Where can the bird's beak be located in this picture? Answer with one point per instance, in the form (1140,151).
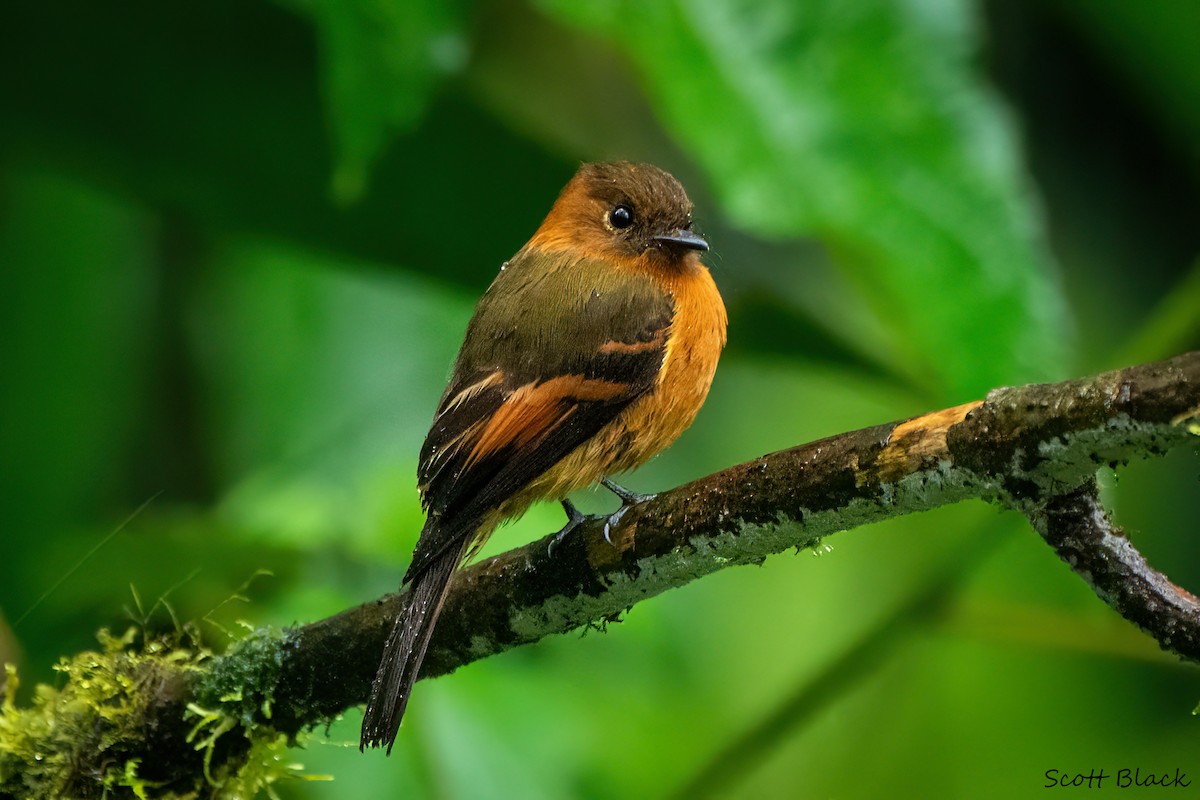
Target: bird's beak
(683,238)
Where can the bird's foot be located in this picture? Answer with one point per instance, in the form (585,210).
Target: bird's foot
(575,518)
(628,499)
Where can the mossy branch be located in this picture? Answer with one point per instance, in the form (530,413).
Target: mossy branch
(1035,449)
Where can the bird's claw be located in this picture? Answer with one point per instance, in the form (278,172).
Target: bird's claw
(628,498)
(575,518)
(612,521)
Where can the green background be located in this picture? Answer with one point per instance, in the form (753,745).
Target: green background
(240,241)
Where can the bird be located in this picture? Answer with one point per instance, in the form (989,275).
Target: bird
(591,351)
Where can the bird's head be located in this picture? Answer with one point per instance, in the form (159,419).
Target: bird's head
(624,212)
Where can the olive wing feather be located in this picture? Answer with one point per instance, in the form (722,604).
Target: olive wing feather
(557,349)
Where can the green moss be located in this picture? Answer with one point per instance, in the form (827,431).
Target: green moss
(121,726)
(243,682)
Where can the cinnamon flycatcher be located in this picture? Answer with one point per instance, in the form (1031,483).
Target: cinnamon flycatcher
(592,350)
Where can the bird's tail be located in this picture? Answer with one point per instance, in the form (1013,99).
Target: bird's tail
(405,650)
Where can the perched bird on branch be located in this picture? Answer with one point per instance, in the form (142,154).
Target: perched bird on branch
(592,350)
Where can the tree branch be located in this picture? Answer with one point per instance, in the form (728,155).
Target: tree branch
(1020,447)
(1076,525)
(1032,448)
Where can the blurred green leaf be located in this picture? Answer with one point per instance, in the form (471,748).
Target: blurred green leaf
(380,61)
(863,124)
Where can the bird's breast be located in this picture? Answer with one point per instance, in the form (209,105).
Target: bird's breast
(694,345)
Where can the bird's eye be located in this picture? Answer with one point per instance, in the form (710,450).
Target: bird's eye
(621,217)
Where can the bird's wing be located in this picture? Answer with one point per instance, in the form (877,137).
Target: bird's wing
(557,349)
